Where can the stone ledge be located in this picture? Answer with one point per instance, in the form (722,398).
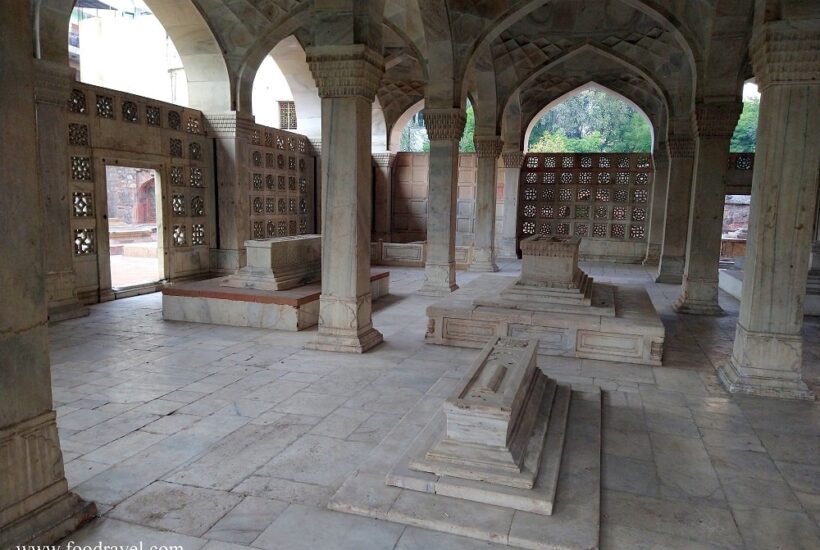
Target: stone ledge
(292,310)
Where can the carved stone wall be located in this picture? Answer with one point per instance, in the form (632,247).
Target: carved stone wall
(409,219)
(604,197)
(280,184)
(111,128)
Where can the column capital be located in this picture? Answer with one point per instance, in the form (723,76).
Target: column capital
(346,71)
(52,82)
(681,147)
(716,120)
(383,159)
(513,159)
(784,53)
(444,124)
(487,146)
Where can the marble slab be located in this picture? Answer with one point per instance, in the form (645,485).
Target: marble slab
(291,310)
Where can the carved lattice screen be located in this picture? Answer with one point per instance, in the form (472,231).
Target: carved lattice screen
(281,184)
(603,196)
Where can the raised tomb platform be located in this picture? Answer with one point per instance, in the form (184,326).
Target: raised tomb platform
(555,301)
(510,457)
(278,289)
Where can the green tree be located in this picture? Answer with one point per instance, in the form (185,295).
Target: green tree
(549,142)
(466,144)
(593,121)
(744,139)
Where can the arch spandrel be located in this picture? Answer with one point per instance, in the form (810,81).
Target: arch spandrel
(683,20)
(576,69)
(628,35)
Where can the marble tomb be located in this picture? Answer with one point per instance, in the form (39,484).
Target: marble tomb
(280,263)
(557,303)
(497,443)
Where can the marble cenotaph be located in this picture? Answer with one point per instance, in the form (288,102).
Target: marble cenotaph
(557,303)
(279,263)
(508,443)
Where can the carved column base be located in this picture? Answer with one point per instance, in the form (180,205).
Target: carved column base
(483,261)
(345,341)
(439,280)
(506,249)
(699,298)
(767,365)
(35,505)
(483,267)
(49,523)
(341,328)
(670,271)
(653,255)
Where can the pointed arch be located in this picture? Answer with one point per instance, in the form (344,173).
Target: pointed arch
(591,85)
(401,123)
(209,82)
(597,51)
(290,56)
(655,9)
(282,41)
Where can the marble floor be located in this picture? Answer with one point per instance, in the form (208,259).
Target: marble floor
(218,437)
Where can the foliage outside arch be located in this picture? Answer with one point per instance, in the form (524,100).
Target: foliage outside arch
(591,121)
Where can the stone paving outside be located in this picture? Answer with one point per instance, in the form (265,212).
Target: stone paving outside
(226,438)
(128,271)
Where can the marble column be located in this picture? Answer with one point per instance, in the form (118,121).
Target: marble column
(814,261)
(715,123)
(676,214)
(347,78)
(660,160)
(35,504)
(52,86)
(488,148)
(231,132)
(444,128)
(513,161)
(383,195)
(768,349)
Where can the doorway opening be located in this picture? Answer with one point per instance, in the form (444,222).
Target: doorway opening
(134,226)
